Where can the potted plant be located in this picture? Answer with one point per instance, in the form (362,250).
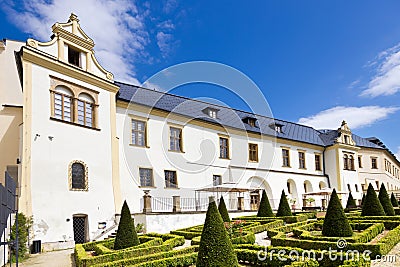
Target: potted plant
(310,201)
(293,202)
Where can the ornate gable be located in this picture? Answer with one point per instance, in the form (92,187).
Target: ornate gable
(344,135)
(71,45)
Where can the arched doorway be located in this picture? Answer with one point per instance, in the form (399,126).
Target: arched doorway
(258,183)
(322,185)
(307,186)
(291,190)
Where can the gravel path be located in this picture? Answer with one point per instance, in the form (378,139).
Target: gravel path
(59,258)
(261,239)
(392,258)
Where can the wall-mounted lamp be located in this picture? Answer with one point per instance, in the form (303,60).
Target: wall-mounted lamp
(51,137)
(37,136)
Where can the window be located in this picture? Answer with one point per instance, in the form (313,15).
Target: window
(175,139)
(211,112)
(73,104)
(146,177)
(359,162)
(138,133)
(345,162)
(302,160)
(78,173)
(285,157)
(74,56)
(253,152)
(374,163)
(377,184)
(318,162)
(346,139)
(217,180)
(356,186)
(351,163)
(170,179)
(348,187)
(305,187)
(63,104)
(223,148)
(85,110)
(250,121)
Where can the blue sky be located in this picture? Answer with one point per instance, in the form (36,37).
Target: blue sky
(317,62)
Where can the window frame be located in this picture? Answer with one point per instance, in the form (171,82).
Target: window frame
(74,56)
(302,160)
(136,132)
(253,152)
(374,163)
(151,177)
(286,158)
(176,139)
(85,117)
(317,162)
(219,180)
(168,182)
(86,176)
(71,107)
(224,147)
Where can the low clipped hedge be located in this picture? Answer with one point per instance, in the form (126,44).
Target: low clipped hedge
(150,258)
(285,228)
(287,219)
(247,238)
(157,243)
(183,260)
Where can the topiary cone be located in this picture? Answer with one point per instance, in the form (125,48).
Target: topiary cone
(385,201)
(394,201)
(372,206)
(126,233)
(215,245)
(264,210)
(223,211)
(351,203)
(283,209)
(336,223)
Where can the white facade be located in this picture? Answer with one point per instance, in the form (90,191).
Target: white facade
(48,139)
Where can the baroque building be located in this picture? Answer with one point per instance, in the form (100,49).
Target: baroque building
(79,143)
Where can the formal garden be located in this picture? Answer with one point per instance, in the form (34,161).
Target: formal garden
(350,236)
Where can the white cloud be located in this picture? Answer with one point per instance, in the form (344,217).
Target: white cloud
(164,42)
(387,79)
(166,25)
(118,28)
(356,117)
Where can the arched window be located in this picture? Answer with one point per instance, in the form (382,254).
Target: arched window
(63,105)
(351,163)
(85,109)
(345,162)
(78,176)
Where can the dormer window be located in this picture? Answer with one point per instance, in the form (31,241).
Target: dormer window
(211,112)
(250,121)
(74,56)
(277,127)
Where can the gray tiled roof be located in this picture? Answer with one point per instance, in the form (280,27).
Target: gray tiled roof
(229,117)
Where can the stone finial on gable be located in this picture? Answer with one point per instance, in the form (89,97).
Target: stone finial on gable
(73,17)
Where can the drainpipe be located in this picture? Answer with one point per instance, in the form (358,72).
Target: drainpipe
(323,166)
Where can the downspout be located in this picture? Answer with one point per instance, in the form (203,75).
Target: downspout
(323,166)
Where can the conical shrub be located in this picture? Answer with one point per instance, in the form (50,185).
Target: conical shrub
(394,201)
(126,233)
(351,203)
(223,211)
(215,246)
(335,221)
(264,210)
(372,206)
(385,201)
(283,209)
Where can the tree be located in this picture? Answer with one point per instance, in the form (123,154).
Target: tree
(394,201)
(351,203)
(264,210)
(215,246)
(24,224)
(385,201)
(283,209)
(372,206)
(223,211)
(336,223)
(126,233)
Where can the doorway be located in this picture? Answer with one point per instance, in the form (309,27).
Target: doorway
(80,228)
